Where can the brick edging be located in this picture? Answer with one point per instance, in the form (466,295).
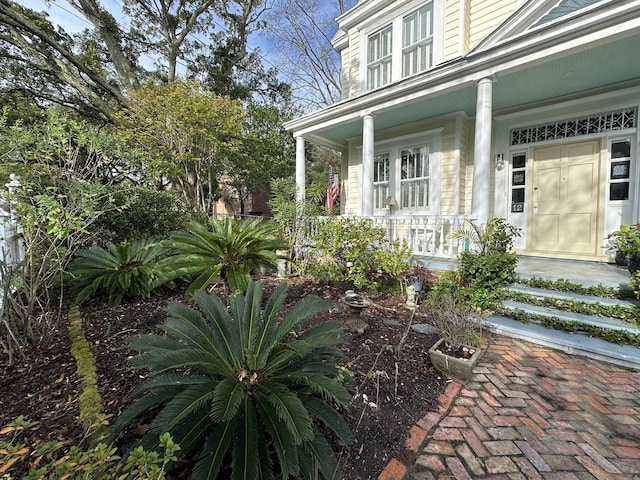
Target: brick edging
(395,469)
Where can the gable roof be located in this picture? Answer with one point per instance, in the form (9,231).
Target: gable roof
(565,7)
(537,14)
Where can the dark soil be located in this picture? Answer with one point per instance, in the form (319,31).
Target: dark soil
(390,363)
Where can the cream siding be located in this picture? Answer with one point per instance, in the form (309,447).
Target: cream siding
(448,168)
(456,28)
(345,77)
(486,15)
(354,63)
(451,29)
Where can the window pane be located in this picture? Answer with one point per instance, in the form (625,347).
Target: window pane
(621,149)
(416,41)
(619,191)
(620,169)
(517,195)
(519,161)
(518,178)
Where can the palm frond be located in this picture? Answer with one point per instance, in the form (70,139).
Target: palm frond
(329,417)
(227,398)
(290,410)
(214,451)
(283,442)
(301,311)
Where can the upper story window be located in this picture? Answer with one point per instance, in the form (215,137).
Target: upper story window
(379,58)
(417,41)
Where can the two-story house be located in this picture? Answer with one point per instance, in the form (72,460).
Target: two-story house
(453,109)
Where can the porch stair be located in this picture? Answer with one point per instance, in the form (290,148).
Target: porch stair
(573,343)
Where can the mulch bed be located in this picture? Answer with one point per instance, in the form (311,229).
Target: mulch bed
(389,360)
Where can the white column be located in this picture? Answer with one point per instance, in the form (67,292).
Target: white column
(366,201)
(300,170)
(482,152)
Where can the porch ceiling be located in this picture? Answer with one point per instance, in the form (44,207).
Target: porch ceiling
(594,70)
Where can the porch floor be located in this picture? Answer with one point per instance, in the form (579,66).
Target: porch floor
(576,271)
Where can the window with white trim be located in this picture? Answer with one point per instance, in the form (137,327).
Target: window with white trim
(379,58)
(620,171)
(417,41)
(518,181)
(414,177)
(380,180)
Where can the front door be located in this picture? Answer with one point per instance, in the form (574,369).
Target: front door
(563,212)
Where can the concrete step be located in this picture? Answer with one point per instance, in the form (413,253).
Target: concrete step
(558,295)
(576,344)
(602,322)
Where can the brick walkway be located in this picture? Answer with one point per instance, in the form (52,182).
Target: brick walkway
(529,412)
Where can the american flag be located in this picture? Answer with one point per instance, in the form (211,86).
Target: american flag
(332,190)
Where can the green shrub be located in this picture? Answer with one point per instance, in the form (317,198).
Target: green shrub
(627,239)
(119,270)
(487,270)
(635,283)
(229,250)
(50,460)
(143,213)
(237,385)
(497,235)
(355,251)
(490,265)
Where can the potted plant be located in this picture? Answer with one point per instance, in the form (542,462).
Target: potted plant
(460,325)
(627,242)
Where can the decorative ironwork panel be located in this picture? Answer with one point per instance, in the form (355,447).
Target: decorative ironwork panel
(605,122)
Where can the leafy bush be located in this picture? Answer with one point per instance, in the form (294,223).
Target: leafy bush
(143,213)
(353,250)
(119,270)
(491,265)
(496,236)
(230,250)
(99,462)
(243,387)
(627,239)
(635,283)
(489,270)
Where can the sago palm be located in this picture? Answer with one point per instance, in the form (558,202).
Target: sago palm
(119,270)
(229,250)
(249,393)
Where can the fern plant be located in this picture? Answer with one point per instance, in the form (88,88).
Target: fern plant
(119,270)
(229,250)
(242,389)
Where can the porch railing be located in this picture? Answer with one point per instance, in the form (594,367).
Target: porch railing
(426,235)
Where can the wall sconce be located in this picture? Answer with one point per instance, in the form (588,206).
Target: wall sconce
(499,161)
(390,201)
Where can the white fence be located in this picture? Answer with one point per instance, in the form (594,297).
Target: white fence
(11,244)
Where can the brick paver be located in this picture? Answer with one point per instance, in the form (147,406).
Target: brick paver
(529,412)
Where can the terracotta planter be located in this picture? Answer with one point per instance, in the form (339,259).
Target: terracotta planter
(457,368)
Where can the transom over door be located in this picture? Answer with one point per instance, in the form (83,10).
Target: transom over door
(563,212)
